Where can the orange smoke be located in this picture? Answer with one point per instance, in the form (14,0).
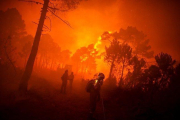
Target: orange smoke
(93,17)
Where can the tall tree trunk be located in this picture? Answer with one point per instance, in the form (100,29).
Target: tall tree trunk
(111,69)
(121,79)
(29,66)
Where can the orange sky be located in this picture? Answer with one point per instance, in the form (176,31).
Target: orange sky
(159,19)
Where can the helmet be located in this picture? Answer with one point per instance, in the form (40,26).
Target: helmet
(101,76)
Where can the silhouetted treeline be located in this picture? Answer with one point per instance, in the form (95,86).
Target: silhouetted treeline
(150,93)
(16,46)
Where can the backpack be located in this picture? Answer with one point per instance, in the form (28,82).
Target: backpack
(89,86)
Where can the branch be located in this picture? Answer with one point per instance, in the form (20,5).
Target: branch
(67,23)
(50,21)
(32,1)
(53,8)
(44,26)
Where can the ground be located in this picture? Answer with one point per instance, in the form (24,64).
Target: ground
(45,102)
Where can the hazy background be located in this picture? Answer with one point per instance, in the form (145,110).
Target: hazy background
(158,19)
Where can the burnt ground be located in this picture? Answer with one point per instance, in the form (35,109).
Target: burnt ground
(45,102)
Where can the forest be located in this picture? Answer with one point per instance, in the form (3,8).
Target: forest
(140,82)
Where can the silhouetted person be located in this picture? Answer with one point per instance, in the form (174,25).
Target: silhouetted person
(94,90)
(64,79)
(71,78)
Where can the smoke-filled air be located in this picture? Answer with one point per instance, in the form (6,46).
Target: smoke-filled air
(89,59)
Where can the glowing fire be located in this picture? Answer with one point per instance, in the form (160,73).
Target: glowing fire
(109,32)
(95,82)
(84,59)
(97,43)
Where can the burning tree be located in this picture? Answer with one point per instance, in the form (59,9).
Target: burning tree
(133,37)
(137,40)
(112,54)
(119,56)
(84,59)
(125,57)
(133,42)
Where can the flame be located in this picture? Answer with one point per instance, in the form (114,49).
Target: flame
(83,59)
(97,43)
(109,32)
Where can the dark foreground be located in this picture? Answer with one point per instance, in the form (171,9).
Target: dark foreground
(45,102)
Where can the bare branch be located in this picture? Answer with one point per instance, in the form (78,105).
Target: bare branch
(32,1)
(66,22)
(52,10)
(50,21)
(44,26)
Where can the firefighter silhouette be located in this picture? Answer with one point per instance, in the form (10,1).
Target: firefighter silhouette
(94,90)
(64,79)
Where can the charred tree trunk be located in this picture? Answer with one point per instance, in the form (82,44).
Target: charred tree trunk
(29,66)
(111,69)
(121,79)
